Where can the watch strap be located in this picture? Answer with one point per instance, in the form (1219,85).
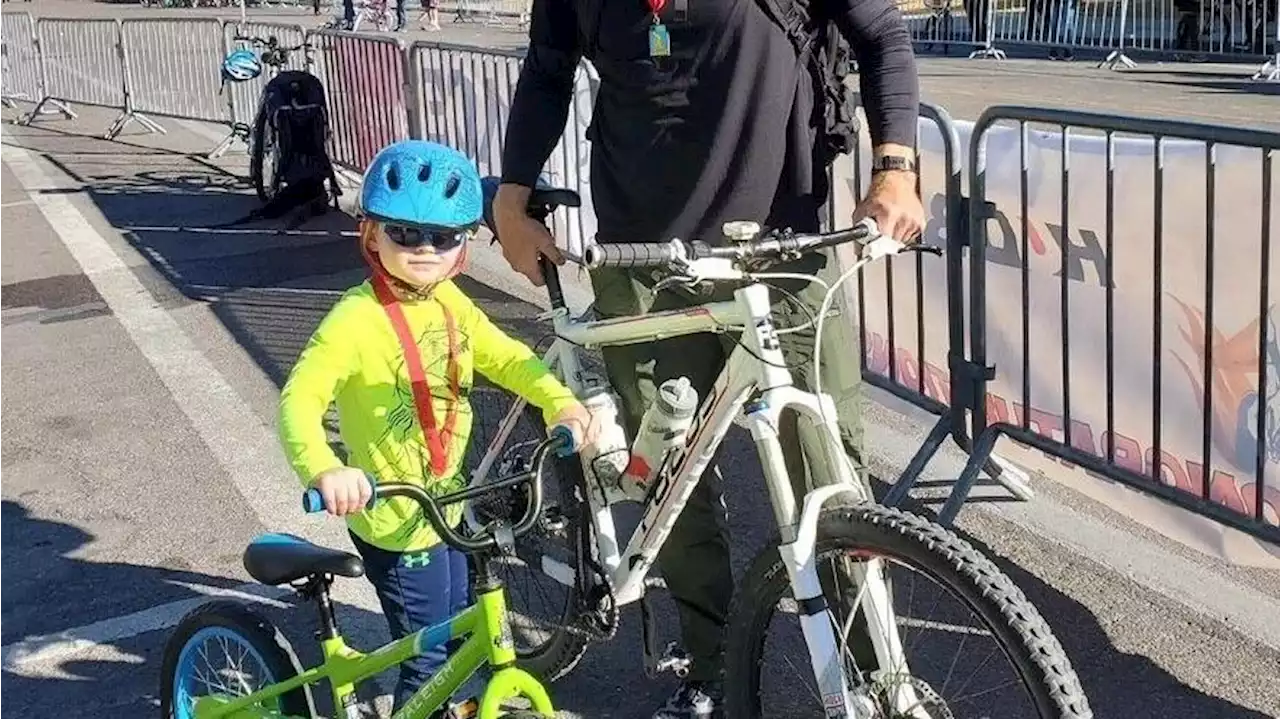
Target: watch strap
(886,163)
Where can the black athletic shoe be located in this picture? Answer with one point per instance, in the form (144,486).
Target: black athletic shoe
(693,700)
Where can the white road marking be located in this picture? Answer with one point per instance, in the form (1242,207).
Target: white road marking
(246,449)
(52,648)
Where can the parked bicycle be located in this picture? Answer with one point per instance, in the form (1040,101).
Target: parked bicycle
(378,13)
(287,141)
(853,649)
(262,677)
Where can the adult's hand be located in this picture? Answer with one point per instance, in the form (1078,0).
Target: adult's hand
(523,238)
(892,201)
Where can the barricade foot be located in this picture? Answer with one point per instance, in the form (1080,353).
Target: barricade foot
(40,109)
(915,468)
(987,53)
(978,458)
(129,116)
(1117,58)
(1269,72)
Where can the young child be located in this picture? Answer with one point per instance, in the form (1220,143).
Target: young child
(398,354)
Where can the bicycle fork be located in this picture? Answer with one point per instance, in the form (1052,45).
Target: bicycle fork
(799,530)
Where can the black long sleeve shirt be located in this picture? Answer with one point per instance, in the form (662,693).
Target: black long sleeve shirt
(722,129)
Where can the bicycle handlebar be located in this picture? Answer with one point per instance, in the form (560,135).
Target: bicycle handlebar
(560,441)
(776,245)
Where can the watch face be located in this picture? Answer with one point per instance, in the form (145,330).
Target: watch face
(894,162)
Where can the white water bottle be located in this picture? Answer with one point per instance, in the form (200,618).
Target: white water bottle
(606,458)
(662,428)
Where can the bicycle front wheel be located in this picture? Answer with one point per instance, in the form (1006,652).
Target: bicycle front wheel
(954,611)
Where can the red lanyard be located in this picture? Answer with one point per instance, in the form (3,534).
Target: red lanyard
(656,6)
(418,377)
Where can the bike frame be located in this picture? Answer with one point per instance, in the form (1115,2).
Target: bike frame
(488,640)
(759,367)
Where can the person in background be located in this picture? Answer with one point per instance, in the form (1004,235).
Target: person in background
(704,114)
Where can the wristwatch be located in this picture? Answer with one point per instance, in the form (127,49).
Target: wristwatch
(885,163)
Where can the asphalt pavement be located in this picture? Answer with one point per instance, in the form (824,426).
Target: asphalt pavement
(143,354)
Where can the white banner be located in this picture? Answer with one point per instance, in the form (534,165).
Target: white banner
(1233,349)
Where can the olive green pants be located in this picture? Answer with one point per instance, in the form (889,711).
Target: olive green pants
(695,559)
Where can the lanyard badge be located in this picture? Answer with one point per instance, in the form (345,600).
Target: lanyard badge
(659,38)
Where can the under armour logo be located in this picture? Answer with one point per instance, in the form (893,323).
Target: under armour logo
(414,561)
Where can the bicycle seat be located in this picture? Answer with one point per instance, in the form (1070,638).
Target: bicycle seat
(543,196)
(282,558)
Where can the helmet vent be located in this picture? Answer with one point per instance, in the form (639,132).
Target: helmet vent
(393,178)
(451,187)
(424,173)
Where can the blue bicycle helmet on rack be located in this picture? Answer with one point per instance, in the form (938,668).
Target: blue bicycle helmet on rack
(416,183)
(240,65)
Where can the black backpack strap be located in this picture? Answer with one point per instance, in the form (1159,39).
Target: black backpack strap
(793,17)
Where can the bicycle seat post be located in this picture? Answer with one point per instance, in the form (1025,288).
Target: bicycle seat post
(317,588)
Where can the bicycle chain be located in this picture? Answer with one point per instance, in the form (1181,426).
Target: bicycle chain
(596,623)
(930,700)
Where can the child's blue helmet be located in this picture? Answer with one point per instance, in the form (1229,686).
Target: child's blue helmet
(416,183)
(240,65)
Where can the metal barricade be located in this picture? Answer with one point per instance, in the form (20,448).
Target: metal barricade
(242,97)
(82,62)
(1097,24)
(21,58)
(171,68)
(1152,356)
(365,80)
(489,12)
(909,313)
(942,23)
(465,98)
(1224,28)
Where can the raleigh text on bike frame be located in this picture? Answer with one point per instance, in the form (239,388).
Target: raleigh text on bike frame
(754,388)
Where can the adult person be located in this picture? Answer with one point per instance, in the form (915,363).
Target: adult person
(704,115)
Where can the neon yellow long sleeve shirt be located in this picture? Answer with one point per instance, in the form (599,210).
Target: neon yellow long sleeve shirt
(355,360)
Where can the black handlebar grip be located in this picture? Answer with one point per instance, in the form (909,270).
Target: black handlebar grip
(551,276)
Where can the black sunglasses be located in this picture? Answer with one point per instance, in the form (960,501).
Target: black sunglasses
(439,240)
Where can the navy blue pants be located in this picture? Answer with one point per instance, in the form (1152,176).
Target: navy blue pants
(417,590)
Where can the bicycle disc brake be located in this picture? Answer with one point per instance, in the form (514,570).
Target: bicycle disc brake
(928,705)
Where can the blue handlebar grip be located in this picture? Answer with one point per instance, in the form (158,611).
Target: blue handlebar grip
(565,435)
(313,501)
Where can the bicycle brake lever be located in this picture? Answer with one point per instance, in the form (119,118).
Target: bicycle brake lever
(674,281)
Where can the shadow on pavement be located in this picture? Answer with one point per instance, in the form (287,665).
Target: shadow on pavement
(39,558)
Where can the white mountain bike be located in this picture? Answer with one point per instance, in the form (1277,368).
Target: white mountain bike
(578,551)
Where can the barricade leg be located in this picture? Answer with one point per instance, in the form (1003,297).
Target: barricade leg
(979,457)
(129,116)
(1117,58)
(1270,71)
(40,109)
(239,131)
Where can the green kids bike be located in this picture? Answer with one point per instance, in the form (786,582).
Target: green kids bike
(262,677)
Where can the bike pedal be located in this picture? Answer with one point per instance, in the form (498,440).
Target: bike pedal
(553,520)
(675,660)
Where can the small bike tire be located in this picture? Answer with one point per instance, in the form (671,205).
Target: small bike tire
(1020,631)
(266,187)
(264,638)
